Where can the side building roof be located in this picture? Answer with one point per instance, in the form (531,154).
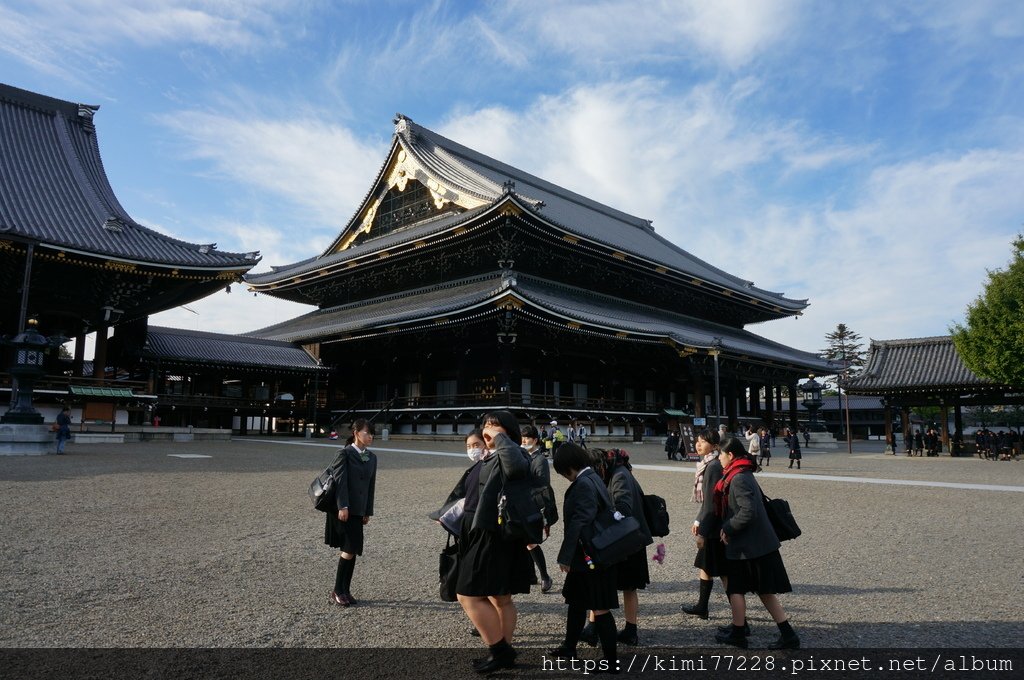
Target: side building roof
(179,345)
(56,192)
(915,364)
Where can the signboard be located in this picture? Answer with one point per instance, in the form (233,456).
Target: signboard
(700,422)
(688,442)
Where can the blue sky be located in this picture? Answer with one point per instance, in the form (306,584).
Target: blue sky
(868,156)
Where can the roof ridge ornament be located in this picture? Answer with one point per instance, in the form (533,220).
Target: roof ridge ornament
(85,114)
(508,187)
(113,224)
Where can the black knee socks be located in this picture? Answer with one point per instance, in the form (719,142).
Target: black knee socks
(574,620)
(786,629)
(538,559)
(343,580)
(705,594)
(605,625)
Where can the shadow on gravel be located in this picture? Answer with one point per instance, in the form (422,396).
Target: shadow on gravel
(824,589)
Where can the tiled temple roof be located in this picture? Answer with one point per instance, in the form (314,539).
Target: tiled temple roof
(56,192)
(199,347)
(914,364)
(592,311)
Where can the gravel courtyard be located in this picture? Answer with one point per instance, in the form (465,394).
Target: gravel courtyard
(132,546)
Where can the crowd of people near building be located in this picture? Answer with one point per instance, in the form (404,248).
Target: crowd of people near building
(502,508)
(1001,445)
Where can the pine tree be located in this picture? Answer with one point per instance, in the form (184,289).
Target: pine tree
(845,348)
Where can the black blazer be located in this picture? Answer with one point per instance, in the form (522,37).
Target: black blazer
(543,494)
(356,482)
(508,468)
(746,521)
(709,523)
(628,498)
(586,503)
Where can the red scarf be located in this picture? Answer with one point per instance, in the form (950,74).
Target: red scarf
(737,466)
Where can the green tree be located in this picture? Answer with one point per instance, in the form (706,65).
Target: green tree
(845,348)
(991,342)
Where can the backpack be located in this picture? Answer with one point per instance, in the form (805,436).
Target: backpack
(656,514)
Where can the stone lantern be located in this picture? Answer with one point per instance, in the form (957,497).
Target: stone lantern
(812,402)
(30,349)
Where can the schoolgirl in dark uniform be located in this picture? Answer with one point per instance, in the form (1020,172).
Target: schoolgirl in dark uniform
(491,567)
(633,573)
(753,563)
(354,491)
(710,558)
(586,500)
(544,497)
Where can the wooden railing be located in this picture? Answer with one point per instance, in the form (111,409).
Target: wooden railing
(518,400)
(63,382)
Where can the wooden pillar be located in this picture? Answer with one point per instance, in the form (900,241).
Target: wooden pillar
(792,407)
(888,424)
(958,416)
(99,360)
(698,393)
(730,404)
(769,403)
(76,366)
(905,416)
(778,398)
(755,399)
(945,426)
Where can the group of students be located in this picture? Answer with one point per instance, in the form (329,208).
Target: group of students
(734,538)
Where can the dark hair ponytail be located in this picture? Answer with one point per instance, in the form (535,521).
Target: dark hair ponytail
(358,425)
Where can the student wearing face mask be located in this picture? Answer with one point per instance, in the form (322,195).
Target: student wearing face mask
(543,496)
(450,514)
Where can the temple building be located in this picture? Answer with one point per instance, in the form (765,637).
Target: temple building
(462,284)
(72,258)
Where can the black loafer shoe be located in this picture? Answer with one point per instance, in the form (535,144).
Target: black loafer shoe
(731,638)
(545,584)
(562,652)
(694,610)
(784,642)
(625,638)
(726,629)
(338,599)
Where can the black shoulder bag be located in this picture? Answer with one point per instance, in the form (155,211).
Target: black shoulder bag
(781,517)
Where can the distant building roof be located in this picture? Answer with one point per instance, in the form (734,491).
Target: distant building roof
(56,192)
(477,295)
(915,365)
(199,347)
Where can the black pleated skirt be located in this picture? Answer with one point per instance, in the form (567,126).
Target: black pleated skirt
(490,565)
(711,558)
(763,575)
(347,536)
(633,572)
(592,588)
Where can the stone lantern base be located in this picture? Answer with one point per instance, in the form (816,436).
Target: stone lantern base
(26,440)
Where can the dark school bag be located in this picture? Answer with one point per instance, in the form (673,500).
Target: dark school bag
(323,486)
(656,513)
(448,570)
(781,517)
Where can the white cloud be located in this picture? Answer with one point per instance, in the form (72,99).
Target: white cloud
(237,312)
(319,167)
(80,36)
(732,32)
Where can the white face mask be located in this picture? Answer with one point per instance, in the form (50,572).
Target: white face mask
(475,453)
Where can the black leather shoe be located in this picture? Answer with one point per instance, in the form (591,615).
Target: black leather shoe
(589,634)
(495,663)
(784,642)
(474,632)
(545,584)
(726,629)
(625,638)
(695,610)
(732,638)
(338,599)
(562,652)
